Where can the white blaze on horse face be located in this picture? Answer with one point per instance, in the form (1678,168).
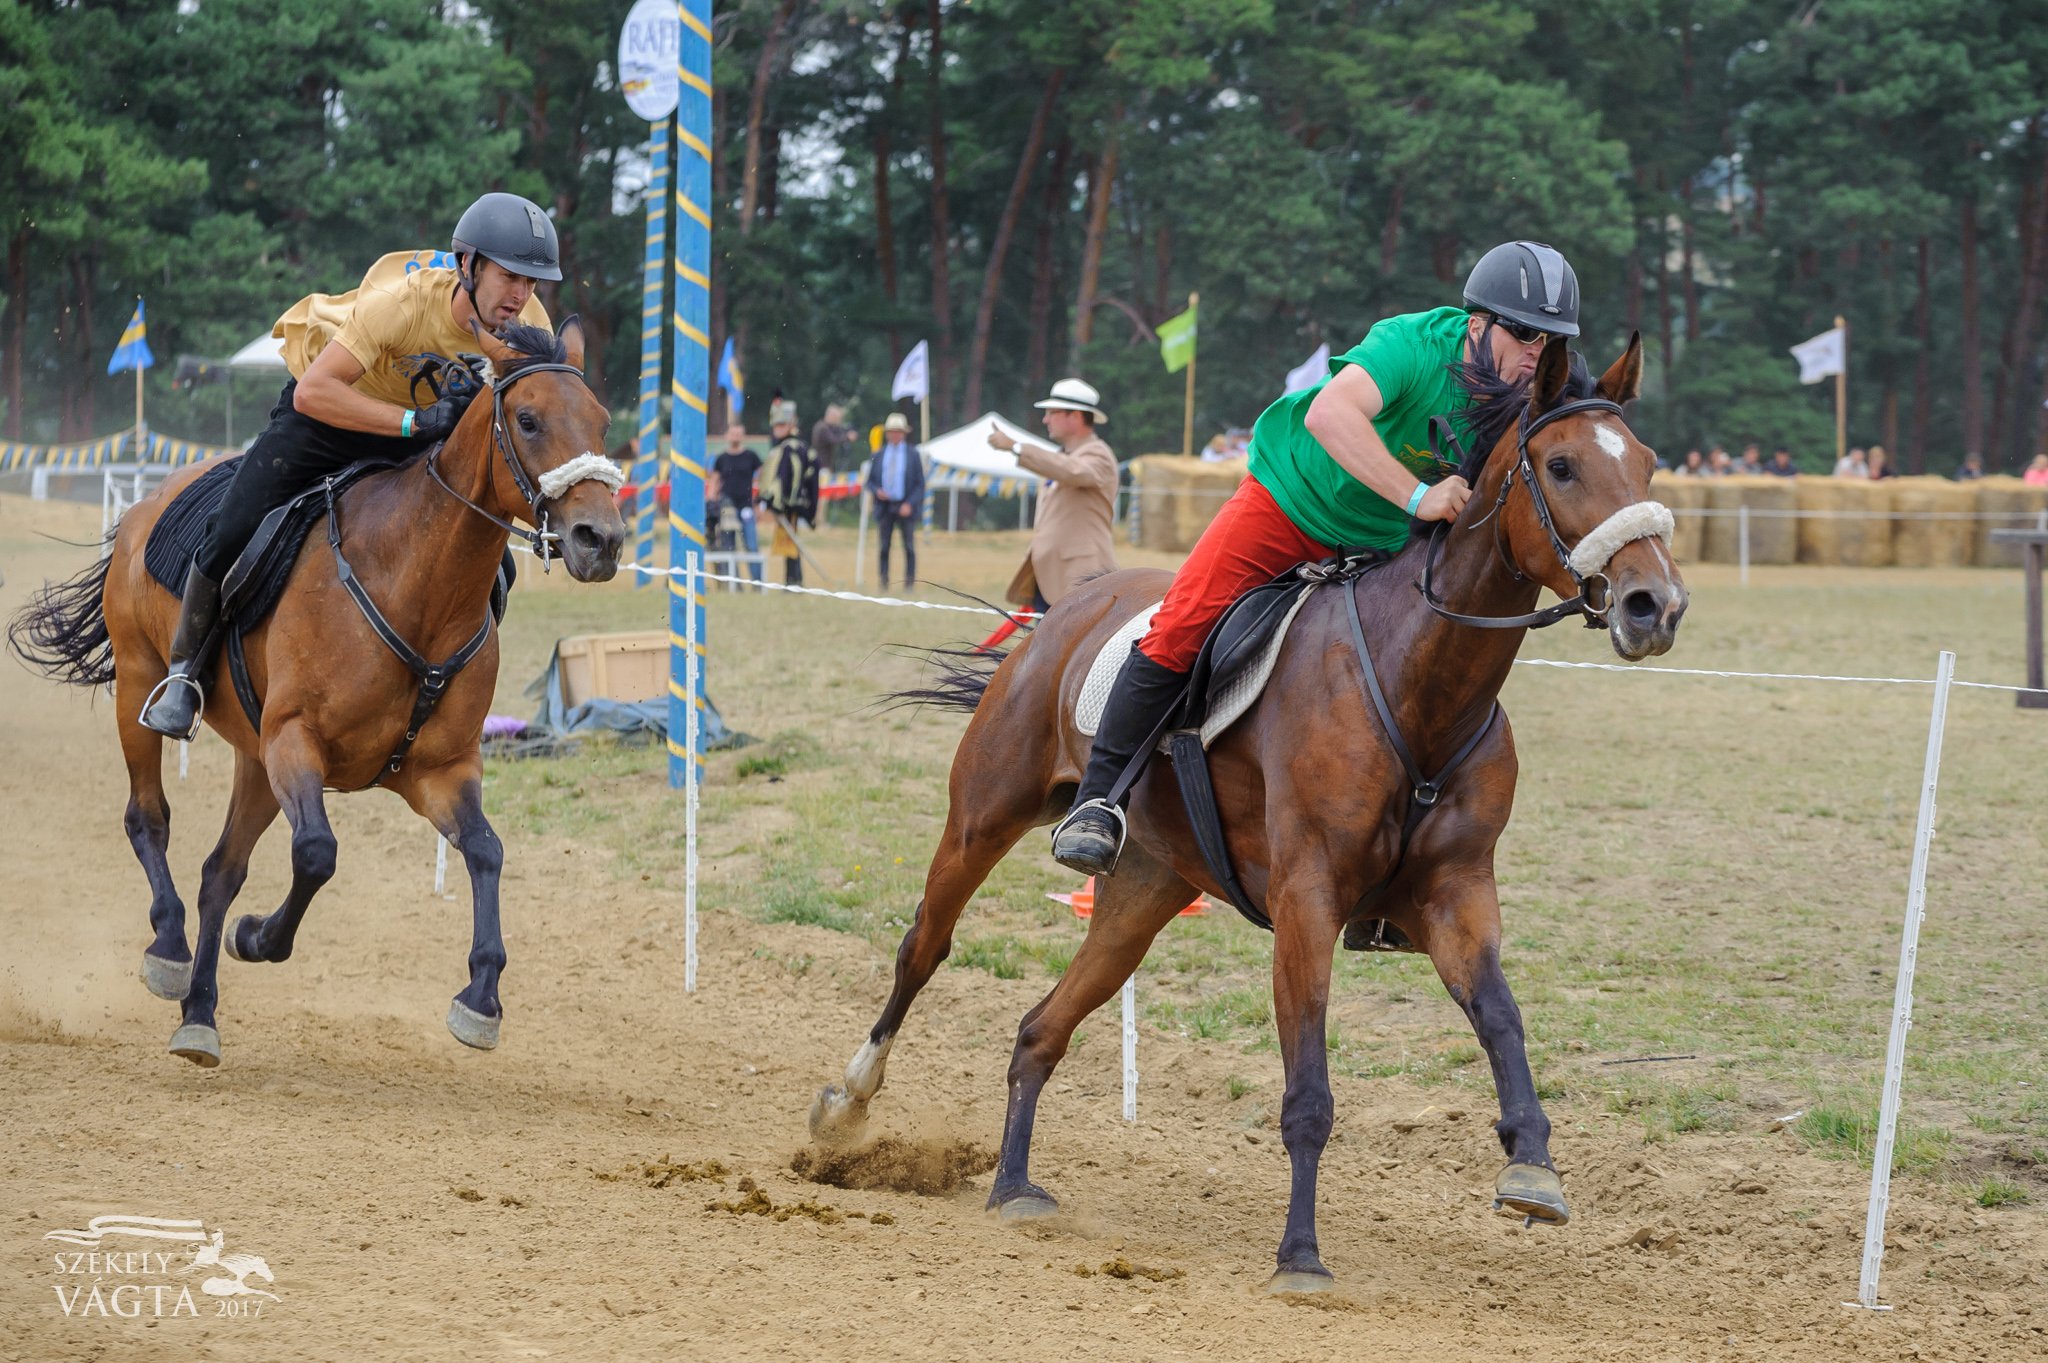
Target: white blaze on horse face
(1611,440)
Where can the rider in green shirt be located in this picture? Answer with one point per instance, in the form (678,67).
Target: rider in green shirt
(1345,465)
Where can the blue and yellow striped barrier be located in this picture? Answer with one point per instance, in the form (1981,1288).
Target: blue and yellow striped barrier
(90,454)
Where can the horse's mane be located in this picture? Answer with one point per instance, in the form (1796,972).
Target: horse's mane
(535,345)
(1494,403)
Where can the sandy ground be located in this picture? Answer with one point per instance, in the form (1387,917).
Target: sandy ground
(589,1190)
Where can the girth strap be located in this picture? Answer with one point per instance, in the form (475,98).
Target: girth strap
(434,677)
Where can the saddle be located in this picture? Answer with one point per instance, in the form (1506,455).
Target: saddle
(1235,662)
(256,581)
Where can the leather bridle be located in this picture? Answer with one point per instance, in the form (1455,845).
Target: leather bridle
(1581,604)
(541,539)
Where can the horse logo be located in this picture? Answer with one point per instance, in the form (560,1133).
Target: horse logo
(235,1268)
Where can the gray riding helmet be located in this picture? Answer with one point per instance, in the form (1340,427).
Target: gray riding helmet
(1526,282)
(512,231)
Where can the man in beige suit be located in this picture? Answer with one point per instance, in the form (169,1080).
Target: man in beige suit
(1077,505)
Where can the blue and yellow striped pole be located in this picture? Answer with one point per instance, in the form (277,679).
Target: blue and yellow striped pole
(690,383)
(660,136)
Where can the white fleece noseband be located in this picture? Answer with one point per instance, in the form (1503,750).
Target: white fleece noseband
(1636,521)
(586,465)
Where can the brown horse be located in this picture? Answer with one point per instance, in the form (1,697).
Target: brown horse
(337,702)
(1313,795)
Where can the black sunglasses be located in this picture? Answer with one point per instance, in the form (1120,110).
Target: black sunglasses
(1522,332)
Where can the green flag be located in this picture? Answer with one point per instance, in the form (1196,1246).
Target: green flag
(1177,340)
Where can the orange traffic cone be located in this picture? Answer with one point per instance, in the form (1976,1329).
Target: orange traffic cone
(1082,901)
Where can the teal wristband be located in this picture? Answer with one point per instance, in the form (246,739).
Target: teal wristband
(405,423)
(1415,498)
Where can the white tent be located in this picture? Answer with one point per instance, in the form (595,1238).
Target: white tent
(966,449)
(265,352)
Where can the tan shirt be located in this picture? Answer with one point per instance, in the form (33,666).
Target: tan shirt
(1073,538)
(398,323)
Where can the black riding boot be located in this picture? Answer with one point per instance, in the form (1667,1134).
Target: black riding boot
(174,706)
(1092,835)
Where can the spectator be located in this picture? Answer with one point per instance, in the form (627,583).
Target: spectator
(790,491)
(1719,465)
(832,444)
(1695,465)
(732,514)
(1972,469)
(1752,460)
(896,481)
(2037,472)
(1880,464)
(1071,539)
(1853,464)
(1218,450)
(1781,464)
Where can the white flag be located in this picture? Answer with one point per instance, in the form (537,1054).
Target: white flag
(1311,371)
(1822,356)
(913,377)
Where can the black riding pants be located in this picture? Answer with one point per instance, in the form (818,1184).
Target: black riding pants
(293,453)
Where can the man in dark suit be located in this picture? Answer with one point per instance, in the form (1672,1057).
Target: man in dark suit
(896,482)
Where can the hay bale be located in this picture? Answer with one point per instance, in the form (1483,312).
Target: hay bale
(1930,533)
(1205,488)
(1687,498)
(1178,497)
(1152,478)
(1854,528)
(1773,537)
(2006,504)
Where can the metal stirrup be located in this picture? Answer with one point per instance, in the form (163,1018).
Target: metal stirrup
(198,715)
(1123,824)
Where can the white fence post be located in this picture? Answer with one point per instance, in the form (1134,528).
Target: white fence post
(440,865)
(1742,540)
(1130,998)
(691,586)
(1902,998)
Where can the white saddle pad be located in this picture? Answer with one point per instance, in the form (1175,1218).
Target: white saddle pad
(1230,704)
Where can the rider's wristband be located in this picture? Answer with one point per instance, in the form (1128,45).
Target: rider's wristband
(405,423)
(1415,497)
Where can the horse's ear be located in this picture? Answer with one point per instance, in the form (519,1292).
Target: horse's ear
(1553,371)
(1623,381)
(570,333)
(493,349)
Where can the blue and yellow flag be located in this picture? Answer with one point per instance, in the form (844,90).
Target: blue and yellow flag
(732,381)
(133,352)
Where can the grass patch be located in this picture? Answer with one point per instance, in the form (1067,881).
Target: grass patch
(1994,1191)
(1001,957)
(1852,1133)
(1237,1086)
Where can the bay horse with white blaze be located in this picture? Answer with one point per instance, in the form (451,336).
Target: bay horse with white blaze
(1314,790)
(341,705)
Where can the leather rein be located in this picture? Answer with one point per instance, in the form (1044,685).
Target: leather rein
(1581,604)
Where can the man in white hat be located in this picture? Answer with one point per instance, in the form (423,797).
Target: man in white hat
(1077,505)
(896,482)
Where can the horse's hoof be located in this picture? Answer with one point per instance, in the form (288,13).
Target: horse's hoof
(1294,1282)
(167,979)
(198,1044)
(472,1028)
(836,1117)
(1533,1192)
(231,940)
(1036,1205)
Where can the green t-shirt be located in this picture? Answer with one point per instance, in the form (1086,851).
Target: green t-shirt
(1409,357)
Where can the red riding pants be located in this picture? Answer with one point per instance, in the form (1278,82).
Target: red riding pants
(1250,542)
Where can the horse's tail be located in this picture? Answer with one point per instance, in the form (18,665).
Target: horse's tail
(961,676)
(62,631)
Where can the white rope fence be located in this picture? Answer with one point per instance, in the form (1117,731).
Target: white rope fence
(1942,681)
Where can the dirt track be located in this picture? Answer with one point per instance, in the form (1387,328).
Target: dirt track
(417,1200)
